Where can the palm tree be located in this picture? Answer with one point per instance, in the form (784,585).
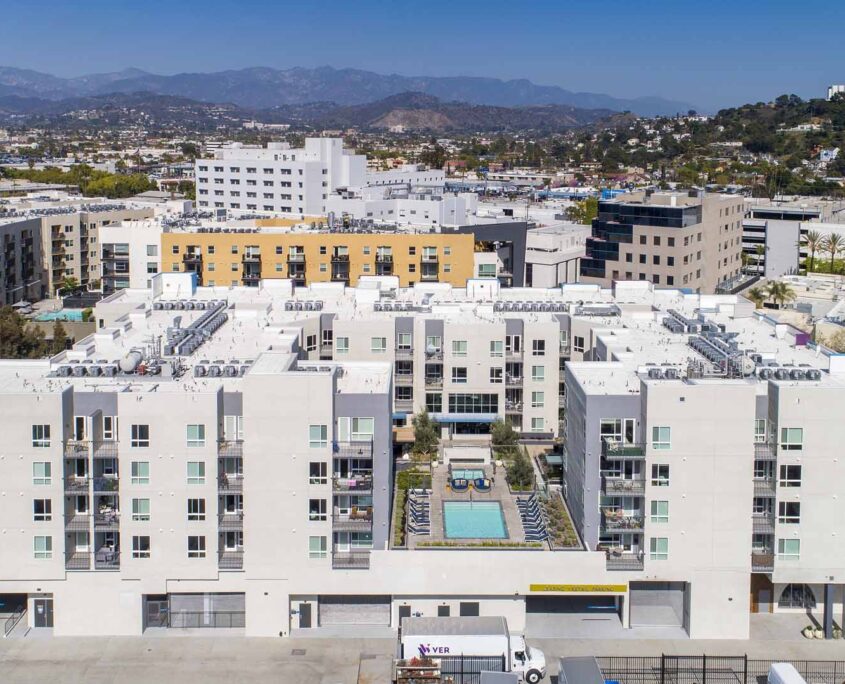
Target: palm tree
(760,250)
(756,295)
(833,244)
(813,240)
(780,293)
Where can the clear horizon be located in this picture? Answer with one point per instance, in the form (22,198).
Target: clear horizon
(730,55)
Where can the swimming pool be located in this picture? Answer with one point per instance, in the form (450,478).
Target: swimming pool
(63,315)
(467,473)
(474,520)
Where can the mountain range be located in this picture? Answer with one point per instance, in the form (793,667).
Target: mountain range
(264,87)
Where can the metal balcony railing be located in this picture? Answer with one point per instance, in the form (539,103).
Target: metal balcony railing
(351,522)
(352,560)
(77,522)
(78,560)
(107,485)
(624,561)
(298,258)
(615,450)
(106,559)
(230,559)
(354,484)
(624,486)
(230,521)
(432,382)
(76,485)
(764,486)
(105,449)
(355,449)
(764,451)
(404,379)
(616,519)
(76,448)
(762,561)
(107,521)
(763,523)
(230,448)
(230,483)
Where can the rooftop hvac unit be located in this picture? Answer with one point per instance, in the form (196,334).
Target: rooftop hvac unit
(797,374)
(309,306)
(814,374)
(95,371)
(672,374)
(168,306)
(64,371)
(655,374)
(288,306)
(376,306)
(158,306)
(214,371)
(79,371)
(326,369)
(387,306)
(179,305)
(230,371)
(189,305)
(110,370)
(297,306)
(782,374)
(243,369)
(508,306)
(498,306)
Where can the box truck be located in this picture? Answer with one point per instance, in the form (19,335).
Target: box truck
(784,673)
(466,638)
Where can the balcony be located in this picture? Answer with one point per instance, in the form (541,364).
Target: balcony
(430,259)
(763,451)
(251,277)
(615,450)
(76,448)
(107,559)
(406,405)
(434,382)
(404,379)
(434,355)
(404,354)
(108,520)
(340,276)
(192,258)
(230,448)
(354,521)
(105,449)
(429,274)
(623,486)
(230,521)
(762,561)
(230,559)
(383,258)
(355,484)
(228,484)
(624,561)
(513,353)
(350,560)
(296,258)
(355,449)
(106,485)
(77,560)
(763,523)
(76,485)
(513,407)
(617,519)
(251,258)
(340,258)
(514,380)
(77,522)
(764,486)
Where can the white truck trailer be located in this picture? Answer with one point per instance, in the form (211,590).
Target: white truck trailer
(467,638)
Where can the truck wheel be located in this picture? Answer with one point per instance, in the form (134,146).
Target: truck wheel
(533,677)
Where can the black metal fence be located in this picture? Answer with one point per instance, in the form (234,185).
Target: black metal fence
(468,669)
(668,669)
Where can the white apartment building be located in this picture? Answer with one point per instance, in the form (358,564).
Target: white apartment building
(277,178)
(416,207)
(553,254)
(130,254)
(223,457)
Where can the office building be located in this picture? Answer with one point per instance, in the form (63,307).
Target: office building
(701,472)
(687,240)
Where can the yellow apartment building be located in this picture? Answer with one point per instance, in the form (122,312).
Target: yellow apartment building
(245,256)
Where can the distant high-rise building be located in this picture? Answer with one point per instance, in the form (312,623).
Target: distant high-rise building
(835,90)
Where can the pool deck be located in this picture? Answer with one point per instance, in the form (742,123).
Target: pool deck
(498,492)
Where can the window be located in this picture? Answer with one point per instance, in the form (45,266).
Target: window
(317,473)
(342,345)
(196,547)
(789,549)
(538,347)
(790,476)
(792,439)
(459,375)
(661,438)
(317,547)
(403,342)
(537,424)
(41,436)
(789,512)
(316,509)
(497,348)
(196,509)
(42,473)
(196,435)
(141,546)
(42,510)
(538,373)
(318,436)
(577,343)
(42,547)
(140,436)
(196,472)
(378,345)
(538,399)
(140,509)
(660,475)
(432,344)
(659,511)
(140,472)
(473,403)
(459,347)
(659,548)
(109,427)
(496,376)
(469,608)
(797,596)
(760,430)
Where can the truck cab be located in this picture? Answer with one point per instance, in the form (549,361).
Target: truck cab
(529,663)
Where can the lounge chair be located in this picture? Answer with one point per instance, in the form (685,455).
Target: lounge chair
(460,485)
(482,484)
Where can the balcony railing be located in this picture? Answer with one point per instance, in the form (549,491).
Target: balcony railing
(251,258)
(356,449)
(230,521)
(616,450)
(77,522)
(230,448)
(762,561)
(430,258)
(404,353)
(616,519)
(105,449)
(403,404)
(404,379)
(513,407)
(513,353)
(356,484)
(764,451)
(384,258)
(624,486)
(340,258)
(230,559)
(624,561)
(764,486)
(435,355)
(106,484)
(298,258)
(763,523)
(76,485)
(107,559)
(432,382)
(78,560)
(230,483)
(351,560)
(351,522)
(107,521)
(76,448)
(514,380)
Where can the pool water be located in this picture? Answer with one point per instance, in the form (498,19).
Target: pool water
(467,474)
(63,315)
(474,520)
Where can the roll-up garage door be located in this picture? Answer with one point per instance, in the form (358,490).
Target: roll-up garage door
(354,610)
(657,604)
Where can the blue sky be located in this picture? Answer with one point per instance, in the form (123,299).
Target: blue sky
(710,53)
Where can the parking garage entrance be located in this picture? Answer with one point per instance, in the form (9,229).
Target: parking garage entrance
(574,615)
